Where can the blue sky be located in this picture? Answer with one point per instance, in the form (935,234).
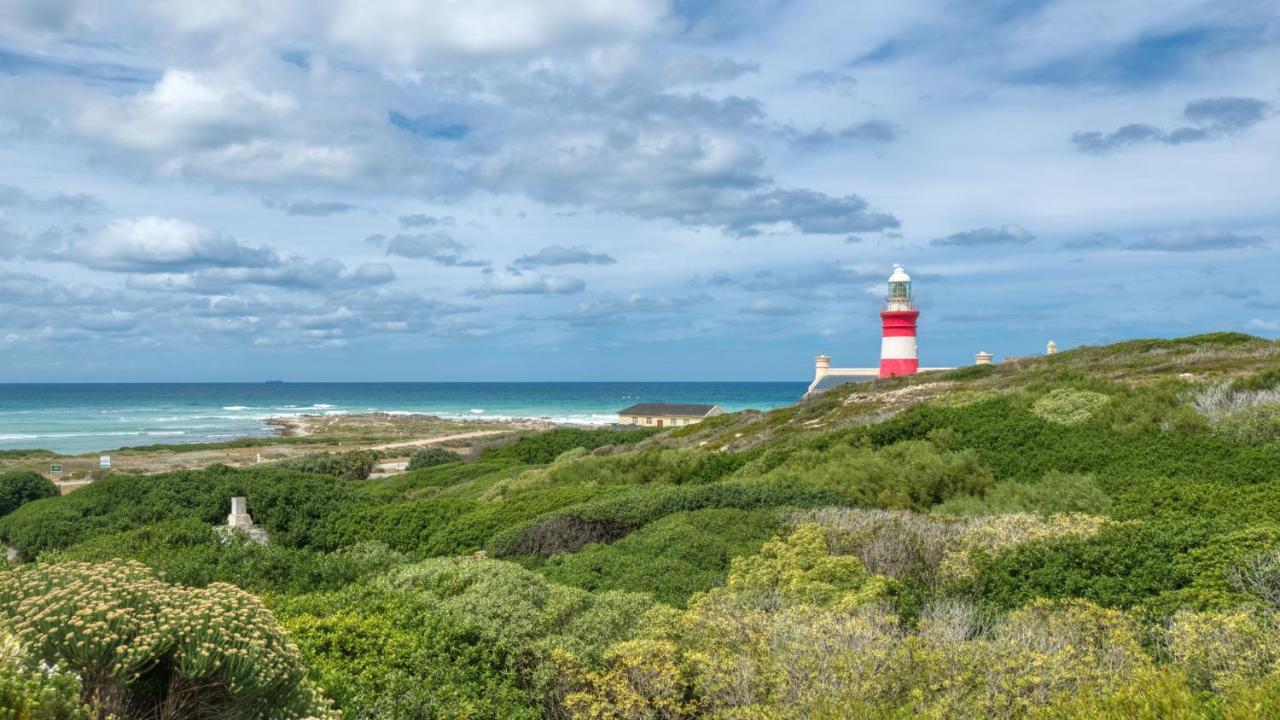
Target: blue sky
(622,189)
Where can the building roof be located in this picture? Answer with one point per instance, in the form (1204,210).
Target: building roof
(668,409)
(831,381)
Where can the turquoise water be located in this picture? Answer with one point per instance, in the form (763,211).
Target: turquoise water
(78,418)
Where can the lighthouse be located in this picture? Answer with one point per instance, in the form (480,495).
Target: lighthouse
(898,352)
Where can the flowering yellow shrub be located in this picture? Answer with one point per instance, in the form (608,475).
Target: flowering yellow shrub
(994,533)
(1219,649)
(127,633)
(31,692)
(640,681)
(799,569)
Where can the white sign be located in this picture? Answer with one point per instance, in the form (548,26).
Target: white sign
(104,462)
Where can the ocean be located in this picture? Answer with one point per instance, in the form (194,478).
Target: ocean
(80,418)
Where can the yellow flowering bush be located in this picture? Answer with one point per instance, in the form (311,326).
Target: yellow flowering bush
(640,681)
(31,692)
(994,533)
(1218,649)
(800,569)
(139,644)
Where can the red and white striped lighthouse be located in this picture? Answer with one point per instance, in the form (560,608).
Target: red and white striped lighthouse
(898,352)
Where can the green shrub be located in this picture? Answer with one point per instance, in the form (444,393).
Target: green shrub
(432,456)
(544,447)
(297,509)
(906,475)
(1268,379)
(189,552)
(395,655)
(1123,565)
(1253,425)
(352,465)
(672,558)
(635,507)
(1057,492)
(19,487)
(1067,406)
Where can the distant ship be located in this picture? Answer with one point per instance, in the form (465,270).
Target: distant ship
(275,382)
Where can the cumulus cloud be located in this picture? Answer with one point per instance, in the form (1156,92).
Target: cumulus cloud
(1197,240)
(408,34)
(518,283)
(186,109)
(984,237)
(561,255)
(695,179)
(1210,118)
(323,275)
(157,244)
(439,248)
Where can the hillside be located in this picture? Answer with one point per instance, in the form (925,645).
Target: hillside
(1089,534)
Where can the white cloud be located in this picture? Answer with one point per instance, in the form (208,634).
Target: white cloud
(186,110)
(516,283)
(407,34)
(158,244)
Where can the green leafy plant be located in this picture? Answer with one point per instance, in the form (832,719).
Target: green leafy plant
(432,456)
(22,486)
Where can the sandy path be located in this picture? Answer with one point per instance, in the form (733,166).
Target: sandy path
(442,438)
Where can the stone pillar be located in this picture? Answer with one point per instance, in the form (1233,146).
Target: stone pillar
(239,517)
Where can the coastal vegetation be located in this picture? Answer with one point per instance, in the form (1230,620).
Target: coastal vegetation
(1091,534)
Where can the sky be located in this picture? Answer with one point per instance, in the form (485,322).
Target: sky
(351,190)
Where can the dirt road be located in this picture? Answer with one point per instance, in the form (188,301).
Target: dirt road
(442,438)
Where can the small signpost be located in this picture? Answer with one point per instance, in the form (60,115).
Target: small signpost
(55,468)
(104,462)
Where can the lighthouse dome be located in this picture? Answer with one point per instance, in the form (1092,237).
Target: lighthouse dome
(899,275)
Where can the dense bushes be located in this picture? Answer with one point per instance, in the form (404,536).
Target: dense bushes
(383,654)
(672,558)
(1067,406)
(140,645)
(297,509)
(545,447)
(903,476)
(352,465)
(1057,492)
(1036,540)
(19,487)
(432,456)
(189,552)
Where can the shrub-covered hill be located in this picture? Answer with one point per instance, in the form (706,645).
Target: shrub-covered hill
(1092,534)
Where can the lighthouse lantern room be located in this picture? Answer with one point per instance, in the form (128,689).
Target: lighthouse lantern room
(899,354)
